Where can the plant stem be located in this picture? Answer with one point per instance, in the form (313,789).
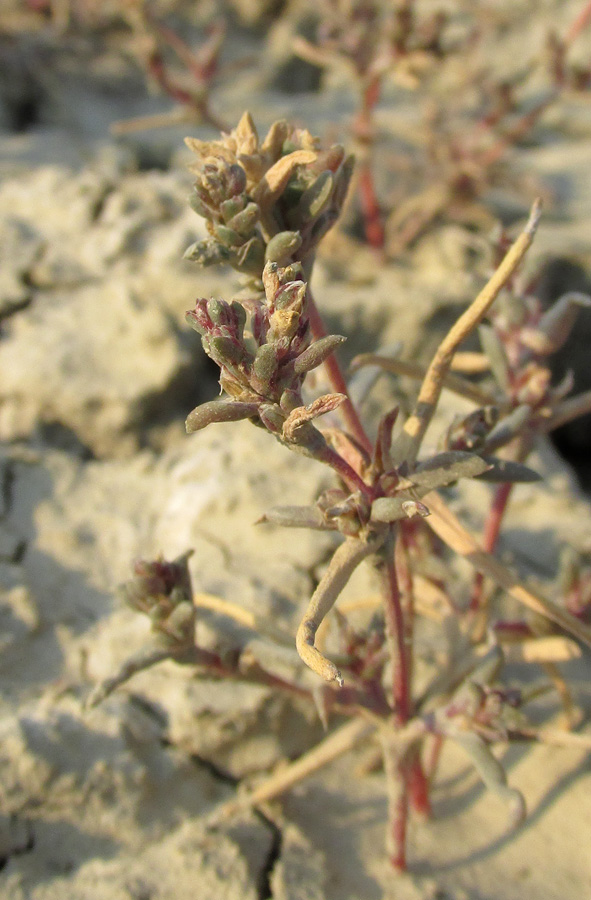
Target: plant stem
(363,131)
(370,208)
(581,22)
(337,380)
(396,631)
(448,527)
(396,763)
(409,443)
(492,529)
(337,743)
(348,474)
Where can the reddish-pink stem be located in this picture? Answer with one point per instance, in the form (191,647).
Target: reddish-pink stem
(370,208)
(351,478)
(400,772)
(418,787)
(363,130)
(338,383)
(492,529)
(581,22)
(399,822)
(395,627)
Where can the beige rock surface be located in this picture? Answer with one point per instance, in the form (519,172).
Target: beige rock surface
(96,374)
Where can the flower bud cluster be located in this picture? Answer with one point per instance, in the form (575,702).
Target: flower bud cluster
(265,201)
(162,590)
(263,350)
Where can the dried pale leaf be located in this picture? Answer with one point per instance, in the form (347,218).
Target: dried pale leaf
(275,138)
(448,527)
(303,414)
(545,649)
(311,53)
(275,179)
(246,135)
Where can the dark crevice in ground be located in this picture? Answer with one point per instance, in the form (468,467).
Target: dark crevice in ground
(215,771)
(26,843)
(264,889)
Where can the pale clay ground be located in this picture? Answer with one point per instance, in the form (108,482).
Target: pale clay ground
(96,373)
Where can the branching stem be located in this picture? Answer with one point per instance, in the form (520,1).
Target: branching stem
(416,425)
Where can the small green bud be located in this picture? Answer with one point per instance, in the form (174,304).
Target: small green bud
(290,400)
(265,363)
(240,314)
(315,199)
(230,208)
(272,417)
(206,253)
(282,246)
(243,222)
(199,206)
(317,353)
(225,350)
(250,258)
(227,236)
(217,311)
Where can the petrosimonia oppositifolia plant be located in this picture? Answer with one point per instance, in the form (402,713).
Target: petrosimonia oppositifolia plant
(267,204)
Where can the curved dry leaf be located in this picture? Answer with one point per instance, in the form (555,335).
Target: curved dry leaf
(275,180)
(245,134)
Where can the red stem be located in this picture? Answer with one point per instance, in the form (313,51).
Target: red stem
(492,529)
(363,130)
(581,21)
(395,628)
(418,787)
(337,381)
(398,823)
(348,474)
(370,208)
(398,768)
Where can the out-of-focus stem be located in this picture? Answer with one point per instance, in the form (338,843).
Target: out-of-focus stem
(492,529)
(396,763)
(396,631)
(337,381)
(416,425)
(363,131)
(370,208)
